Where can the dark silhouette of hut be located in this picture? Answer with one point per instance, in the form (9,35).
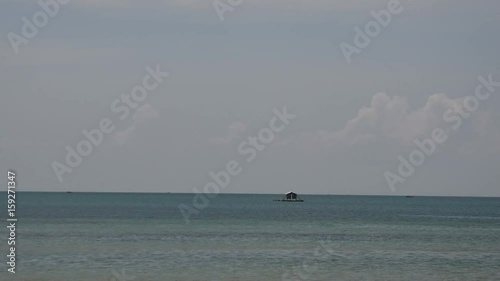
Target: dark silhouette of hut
(290,197)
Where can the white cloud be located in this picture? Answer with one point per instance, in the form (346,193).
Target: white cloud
(391,120)
(234,131)
(142,115)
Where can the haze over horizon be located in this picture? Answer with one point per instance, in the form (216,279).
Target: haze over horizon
(226,81)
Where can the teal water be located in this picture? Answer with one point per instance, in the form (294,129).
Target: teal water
(100,236)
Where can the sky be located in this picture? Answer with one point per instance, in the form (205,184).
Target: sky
(230,76)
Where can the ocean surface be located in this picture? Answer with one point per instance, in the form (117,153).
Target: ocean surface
(120,237)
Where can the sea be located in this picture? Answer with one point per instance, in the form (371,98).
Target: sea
(132,236)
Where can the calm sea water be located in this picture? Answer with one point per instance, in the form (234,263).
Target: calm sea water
(104,236)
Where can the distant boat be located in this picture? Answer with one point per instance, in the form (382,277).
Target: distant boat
(290,197)
(410,196)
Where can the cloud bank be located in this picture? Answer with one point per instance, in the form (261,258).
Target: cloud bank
(142,115)
(234,131)
(389,119)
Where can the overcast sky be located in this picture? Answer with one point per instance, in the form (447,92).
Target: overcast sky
(353,120)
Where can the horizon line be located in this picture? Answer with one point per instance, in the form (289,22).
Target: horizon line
(302,194)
